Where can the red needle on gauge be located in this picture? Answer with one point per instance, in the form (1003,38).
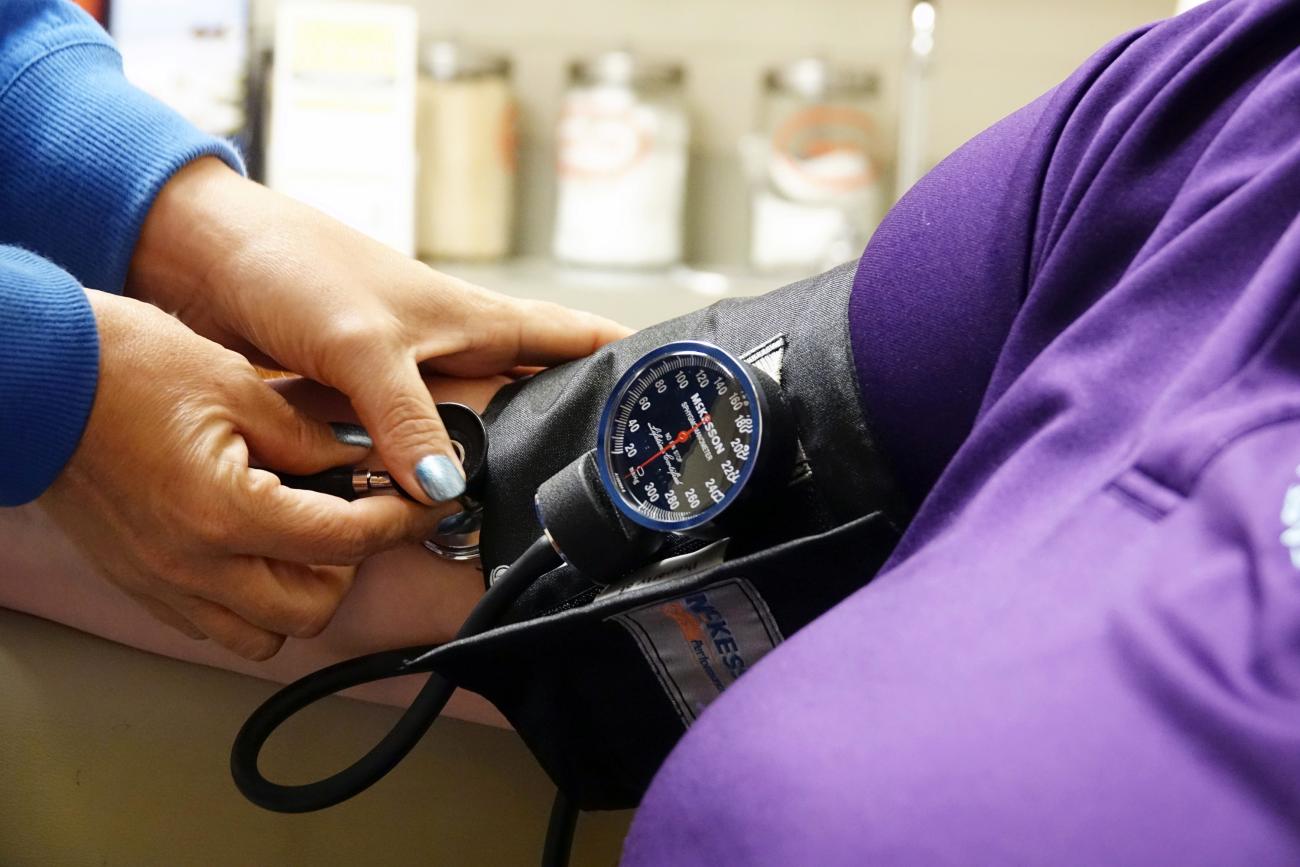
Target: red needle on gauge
(675,441)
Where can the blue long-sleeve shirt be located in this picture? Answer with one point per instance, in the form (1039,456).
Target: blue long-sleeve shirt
(82,156)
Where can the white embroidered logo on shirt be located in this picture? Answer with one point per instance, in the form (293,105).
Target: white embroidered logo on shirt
(1291,520)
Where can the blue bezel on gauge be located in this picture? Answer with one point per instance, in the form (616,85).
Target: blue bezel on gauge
(736,369)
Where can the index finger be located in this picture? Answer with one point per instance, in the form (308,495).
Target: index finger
(309,527)
(550,333)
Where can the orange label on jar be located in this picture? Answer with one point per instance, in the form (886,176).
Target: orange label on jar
(595,143)
(95,8)
(828,147)
(509,137)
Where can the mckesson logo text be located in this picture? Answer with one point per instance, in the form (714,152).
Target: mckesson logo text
(1291,521)
(719,632)
(710,429)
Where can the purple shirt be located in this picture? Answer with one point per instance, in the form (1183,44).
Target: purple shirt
(1079,341)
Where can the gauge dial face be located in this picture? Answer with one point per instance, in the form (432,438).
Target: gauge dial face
(679,436)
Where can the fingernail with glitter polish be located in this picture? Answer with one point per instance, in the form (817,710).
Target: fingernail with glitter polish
(438,476)
(457,523)
(351,434)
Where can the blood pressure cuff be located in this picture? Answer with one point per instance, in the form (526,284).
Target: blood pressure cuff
(601,681)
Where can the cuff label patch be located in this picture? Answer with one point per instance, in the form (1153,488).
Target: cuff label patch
(699,643)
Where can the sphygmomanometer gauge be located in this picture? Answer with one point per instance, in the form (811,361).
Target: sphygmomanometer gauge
(688,432)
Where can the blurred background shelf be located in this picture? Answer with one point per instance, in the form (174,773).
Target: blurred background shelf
(635,298)
(990,58)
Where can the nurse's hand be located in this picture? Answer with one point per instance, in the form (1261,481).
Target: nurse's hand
(289,287)
(163,497)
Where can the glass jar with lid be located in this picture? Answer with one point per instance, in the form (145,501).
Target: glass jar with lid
(465,134)
(815,166)
(622,158)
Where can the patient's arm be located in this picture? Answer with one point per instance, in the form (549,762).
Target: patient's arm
(401,597)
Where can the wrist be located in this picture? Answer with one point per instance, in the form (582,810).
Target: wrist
(108,310)
(126,326)
(190,226)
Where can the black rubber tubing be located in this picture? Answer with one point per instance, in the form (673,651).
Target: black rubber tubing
(560,829)
(539,559)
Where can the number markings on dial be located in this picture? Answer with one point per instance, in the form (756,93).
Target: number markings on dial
(652,464)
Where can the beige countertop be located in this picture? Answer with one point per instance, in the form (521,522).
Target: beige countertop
(114,757)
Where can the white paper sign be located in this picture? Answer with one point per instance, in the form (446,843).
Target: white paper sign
(342,135)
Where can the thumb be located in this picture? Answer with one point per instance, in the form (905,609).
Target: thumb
(396,408)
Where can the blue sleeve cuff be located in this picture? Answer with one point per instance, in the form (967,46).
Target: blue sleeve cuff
(83,155)
(49,367)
